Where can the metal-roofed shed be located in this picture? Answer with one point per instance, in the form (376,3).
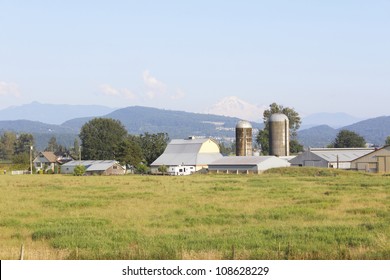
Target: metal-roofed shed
(246,164)
(95,167)
(330,157)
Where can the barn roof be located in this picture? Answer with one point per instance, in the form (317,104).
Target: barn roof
(341,154)
(92,165)
(258,162)
(242,160)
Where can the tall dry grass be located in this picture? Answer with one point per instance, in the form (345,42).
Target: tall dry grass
(282,214)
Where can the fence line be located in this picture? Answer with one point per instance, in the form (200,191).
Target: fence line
(20,172)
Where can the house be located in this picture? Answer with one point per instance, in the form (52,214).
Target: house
(377,161)
(340,158)
(246,164)
(95,167)
(45,161)
(193,152)
(50,161)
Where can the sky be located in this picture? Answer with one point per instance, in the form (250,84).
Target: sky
(313,56)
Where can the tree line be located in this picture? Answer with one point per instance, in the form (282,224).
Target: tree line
(16,148)
(101,139)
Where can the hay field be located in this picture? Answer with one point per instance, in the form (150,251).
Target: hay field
(287,213)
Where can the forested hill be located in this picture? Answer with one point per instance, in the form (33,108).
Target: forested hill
(178,124)
(373,130)
(137,120)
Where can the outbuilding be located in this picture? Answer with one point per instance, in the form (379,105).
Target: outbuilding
(95,167)
(377,161)
(340,158)
(246,164)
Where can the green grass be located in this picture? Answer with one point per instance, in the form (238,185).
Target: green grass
(288,213)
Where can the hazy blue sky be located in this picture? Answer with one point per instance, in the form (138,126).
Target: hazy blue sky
(315,56)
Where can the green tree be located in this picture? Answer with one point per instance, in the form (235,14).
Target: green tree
(227,149)
(129,152)
(52,145)
(22,147)
(348,139)
(101,138)
(76,149)
(23,143)
(7,145)
(142,169)
(153,145)
(387,142)
(294,124)
(295,147)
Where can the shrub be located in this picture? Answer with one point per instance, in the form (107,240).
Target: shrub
(142,169)
(79,170)
(163,169)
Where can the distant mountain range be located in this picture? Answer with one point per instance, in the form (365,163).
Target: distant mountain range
(374,131)
(180,124)
(334,120)
(52,113)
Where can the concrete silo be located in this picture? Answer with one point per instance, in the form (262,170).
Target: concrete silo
(243,138)
(279,135)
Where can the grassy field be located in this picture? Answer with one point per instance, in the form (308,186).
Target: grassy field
(283,214)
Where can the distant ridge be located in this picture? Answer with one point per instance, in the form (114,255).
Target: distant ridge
(334,120)
(52,113)
(374,131)
(178,124)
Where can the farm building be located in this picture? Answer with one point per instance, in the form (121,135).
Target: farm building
(330,157)
(48,161)
(95,167)
(191,152)
(377,161)
(246,164)
(45,161)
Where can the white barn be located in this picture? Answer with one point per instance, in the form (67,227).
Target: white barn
(194,153)
(247,164)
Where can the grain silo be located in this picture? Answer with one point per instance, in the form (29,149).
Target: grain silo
(279,135)
(243,138)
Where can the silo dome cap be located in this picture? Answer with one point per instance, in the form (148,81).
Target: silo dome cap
(243,124)
(278,118)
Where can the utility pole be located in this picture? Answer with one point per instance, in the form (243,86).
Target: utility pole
(31,170)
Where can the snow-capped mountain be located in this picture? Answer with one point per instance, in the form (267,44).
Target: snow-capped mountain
(234,107)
